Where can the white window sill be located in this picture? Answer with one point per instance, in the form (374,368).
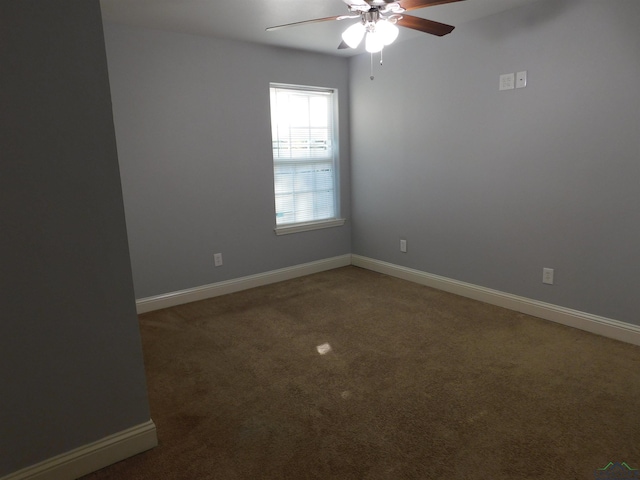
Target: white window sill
(305,227)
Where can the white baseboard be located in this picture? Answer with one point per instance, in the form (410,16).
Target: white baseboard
(94,456)
(230,286)
(606,327)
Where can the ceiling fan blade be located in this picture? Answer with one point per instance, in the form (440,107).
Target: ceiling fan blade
(294,24)
(415,4)
(424,25)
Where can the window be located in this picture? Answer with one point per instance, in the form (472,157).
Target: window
(304,141)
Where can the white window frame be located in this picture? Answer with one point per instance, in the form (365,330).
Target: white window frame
(335,220)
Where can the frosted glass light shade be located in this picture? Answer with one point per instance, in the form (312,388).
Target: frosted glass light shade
(388,31)
(352,36)
(373,43)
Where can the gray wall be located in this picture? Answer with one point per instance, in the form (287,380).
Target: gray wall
(71,369)
(489,187)
(194,142)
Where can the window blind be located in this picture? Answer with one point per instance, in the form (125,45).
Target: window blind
(303,137)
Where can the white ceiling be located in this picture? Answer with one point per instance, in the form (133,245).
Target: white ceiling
(246,20)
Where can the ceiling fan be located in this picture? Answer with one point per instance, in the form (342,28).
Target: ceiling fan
(379,20)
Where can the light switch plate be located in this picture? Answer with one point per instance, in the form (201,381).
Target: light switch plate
(507,81)
(521,79)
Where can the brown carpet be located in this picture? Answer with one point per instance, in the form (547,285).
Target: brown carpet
(419,384)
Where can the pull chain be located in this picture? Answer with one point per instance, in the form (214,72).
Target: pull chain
(371,65)
(371,77)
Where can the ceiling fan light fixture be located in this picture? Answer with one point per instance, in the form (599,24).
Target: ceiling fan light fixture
(373,43)
(388,31)
(352,36)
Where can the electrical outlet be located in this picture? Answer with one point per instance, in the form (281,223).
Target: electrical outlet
(217,259)
(547,276)
(403,245)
